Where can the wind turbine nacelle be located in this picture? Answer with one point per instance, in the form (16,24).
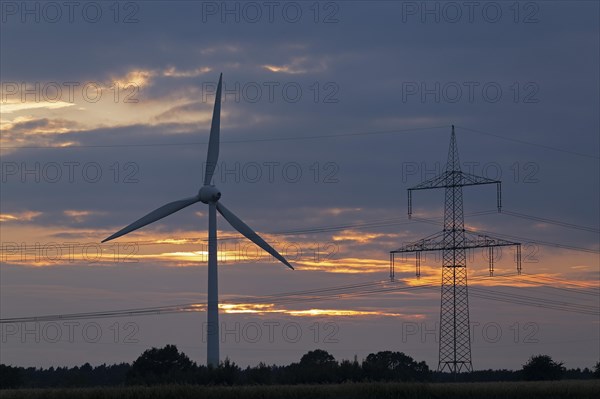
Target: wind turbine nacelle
(209,194)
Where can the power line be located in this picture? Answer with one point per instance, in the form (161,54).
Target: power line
(313,137)
(552,221)
(314,230)
(315,295)
(537,305)
(513,237)
(531,299)
(238,141)
(570,290)
(279,298)
(536,276)
(530,143)
(390,222)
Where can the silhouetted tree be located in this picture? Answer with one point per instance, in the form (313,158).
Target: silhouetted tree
(261,374)
(316,366)
(161,366)
(228,373)
(317,358)
(10,377)
(389,366)
(350,370)
(542,367)
(168,365)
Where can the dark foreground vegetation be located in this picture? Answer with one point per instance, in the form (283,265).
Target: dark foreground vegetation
(580,389)
(168,373)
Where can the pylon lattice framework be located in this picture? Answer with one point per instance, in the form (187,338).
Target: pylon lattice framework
(453,241)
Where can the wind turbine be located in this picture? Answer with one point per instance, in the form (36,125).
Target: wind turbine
(209,195)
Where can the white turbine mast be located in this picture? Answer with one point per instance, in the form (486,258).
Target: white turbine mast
(209,195)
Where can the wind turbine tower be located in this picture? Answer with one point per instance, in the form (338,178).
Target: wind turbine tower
(210,195)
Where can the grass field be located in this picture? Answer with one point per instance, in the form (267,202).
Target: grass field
(488,390)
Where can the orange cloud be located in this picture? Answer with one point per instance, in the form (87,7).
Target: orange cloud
(359,236)
(78,216)
(269,308)
(26,216)
(298,66)
(345,265)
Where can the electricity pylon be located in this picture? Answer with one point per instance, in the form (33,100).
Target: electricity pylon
(453,241)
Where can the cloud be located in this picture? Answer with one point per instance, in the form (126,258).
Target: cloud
(25,216)
(8,108)
(345,265)
(299,66)
(81,215)
(360,237)
(339,211)
(173,72)
(28,126)
(189,112)
(137,77)
(263,309)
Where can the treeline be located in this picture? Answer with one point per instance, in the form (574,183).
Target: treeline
(169,366)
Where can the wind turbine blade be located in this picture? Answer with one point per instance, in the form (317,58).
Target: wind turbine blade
(249,233)
(212,156)
(153,216)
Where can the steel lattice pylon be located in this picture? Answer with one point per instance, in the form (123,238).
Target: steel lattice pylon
(453,241)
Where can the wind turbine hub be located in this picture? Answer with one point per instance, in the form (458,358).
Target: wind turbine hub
(209,194)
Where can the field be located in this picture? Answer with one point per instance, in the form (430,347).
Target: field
(487,390)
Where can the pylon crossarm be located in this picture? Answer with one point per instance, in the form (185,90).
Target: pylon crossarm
(425,244)
(483,240)
(469,179)
(435,182)
(435,242)
(454,178)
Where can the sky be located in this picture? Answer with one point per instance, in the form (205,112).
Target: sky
(331,111)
